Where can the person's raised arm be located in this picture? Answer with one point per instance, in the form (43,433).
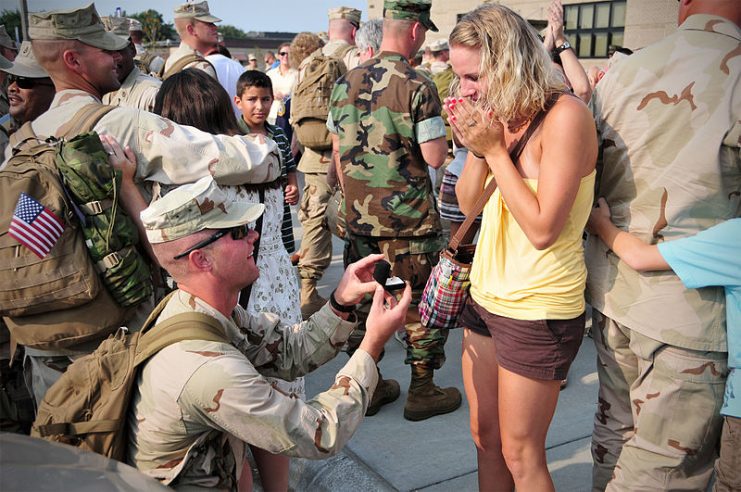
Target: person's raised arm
(634,252)
(573,70)
(169,153)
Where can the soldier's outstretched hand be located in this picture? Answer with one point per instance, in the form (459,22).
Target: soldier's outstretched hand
(357,281)
(386,316)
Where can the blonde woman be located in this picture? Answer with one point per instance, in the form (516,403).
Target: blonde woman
(525,318)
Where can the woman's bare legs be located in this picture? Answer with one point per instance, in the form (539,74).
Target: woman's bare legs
(526,407)
(480,380)
(273,469)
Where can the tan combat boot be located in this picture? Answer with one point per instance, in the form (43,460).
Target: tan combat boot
(311,301)
(387,391)
(426,400)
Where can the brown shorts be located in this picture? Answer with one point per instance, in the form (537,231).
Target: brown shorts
(540,349)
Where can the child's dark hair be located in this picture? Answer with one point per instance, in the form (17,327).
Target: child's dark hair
(253,78)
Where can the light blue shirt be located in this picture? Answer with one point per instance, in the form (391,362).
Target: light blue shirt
(713,258)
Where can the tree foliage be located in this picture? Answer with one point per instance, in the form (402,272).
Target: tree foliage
(154,26)
(231,32)
(11,19)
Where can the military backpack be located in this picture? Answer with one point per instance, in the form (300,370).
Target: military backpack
(88,406)
(310,100)
(70,271)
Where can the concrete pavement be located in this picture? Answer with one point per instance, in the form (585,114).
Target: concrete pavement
(437,455)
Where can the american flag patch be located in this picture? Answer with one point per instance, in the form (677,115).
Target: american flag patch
(35,226)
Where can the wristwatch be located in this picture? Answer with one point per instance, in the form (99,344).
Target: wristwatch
(565,46)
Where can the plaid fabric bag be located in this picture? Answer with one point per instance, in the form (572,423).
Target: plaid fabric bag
(446,290)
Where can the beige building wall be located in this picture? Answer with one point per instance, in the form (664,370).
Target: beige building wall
(646,21)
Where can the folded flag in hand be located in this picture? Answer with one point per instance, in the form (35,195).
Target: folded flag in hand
(35,226)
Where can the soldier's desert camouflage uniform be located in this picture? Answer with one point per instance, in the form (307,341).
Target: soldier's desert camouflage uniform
(185,50)
(669,118)
(137,91)
(316,242)
(188,426)
(381,112)
(166,154)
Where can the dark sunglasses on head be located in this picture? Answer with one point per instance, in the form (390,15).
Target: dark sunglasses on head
(239,232)
(283,53)
(28,82)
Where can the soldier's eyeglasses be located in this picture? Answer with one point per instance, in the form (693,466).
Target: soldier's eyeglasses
(28,82)
(239,232)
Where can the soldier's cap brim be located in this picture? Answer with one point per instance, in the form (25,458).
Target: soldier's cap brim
(203,18)
(427,22)
(105,41)
(180,213)
(26,71)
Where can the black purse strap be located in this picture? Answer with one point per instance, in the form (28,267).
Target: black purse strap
(489,190)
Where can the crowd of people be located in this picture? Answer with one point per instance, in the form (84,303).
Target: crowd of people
(618,187)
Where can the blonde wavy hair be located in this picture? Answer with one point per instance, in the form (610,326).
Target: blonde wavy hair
(304,44)
(515,66)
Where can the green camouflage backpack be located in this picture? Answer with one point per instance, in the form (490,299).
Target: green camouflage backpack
(310,99)
(78,283)
(87,407)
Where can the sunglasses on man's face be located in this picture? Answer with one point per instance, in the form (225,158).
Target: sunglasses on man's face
(28,82)
(239,232)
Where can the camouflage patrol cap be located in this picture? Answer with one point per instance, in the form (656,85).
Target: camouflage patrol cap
(348,13)
(416,10)
(135,25)
(194,207)
(5,39)
(117,25)
(198,11)
(82,24)
(25,64)
(439,45)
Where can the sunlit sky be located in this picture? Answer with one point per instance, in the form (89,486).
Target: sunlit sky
(248,15)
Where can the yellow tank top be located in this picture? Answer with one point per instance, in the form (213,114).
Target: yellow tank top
(511,278)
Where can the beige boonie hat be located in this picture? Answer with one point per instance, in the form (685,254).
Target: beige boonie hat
(5,39)
(198,11)
(349,13)
(81,24)
(439,45)
(25,64)
(194,207)
(117,25)
(135,25)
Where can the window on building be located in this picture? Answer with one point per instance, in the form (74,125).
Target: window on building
(592,27)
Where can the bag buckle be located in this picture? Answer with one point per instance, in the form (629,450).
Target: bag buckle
(109,261)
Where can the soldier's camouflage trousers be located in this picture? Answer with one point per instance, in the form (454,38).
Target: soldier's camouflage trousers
(316,240)
(657,423)
(412,261)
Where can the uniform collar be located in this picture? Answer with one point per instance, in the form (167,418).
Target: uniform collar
(711,23)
